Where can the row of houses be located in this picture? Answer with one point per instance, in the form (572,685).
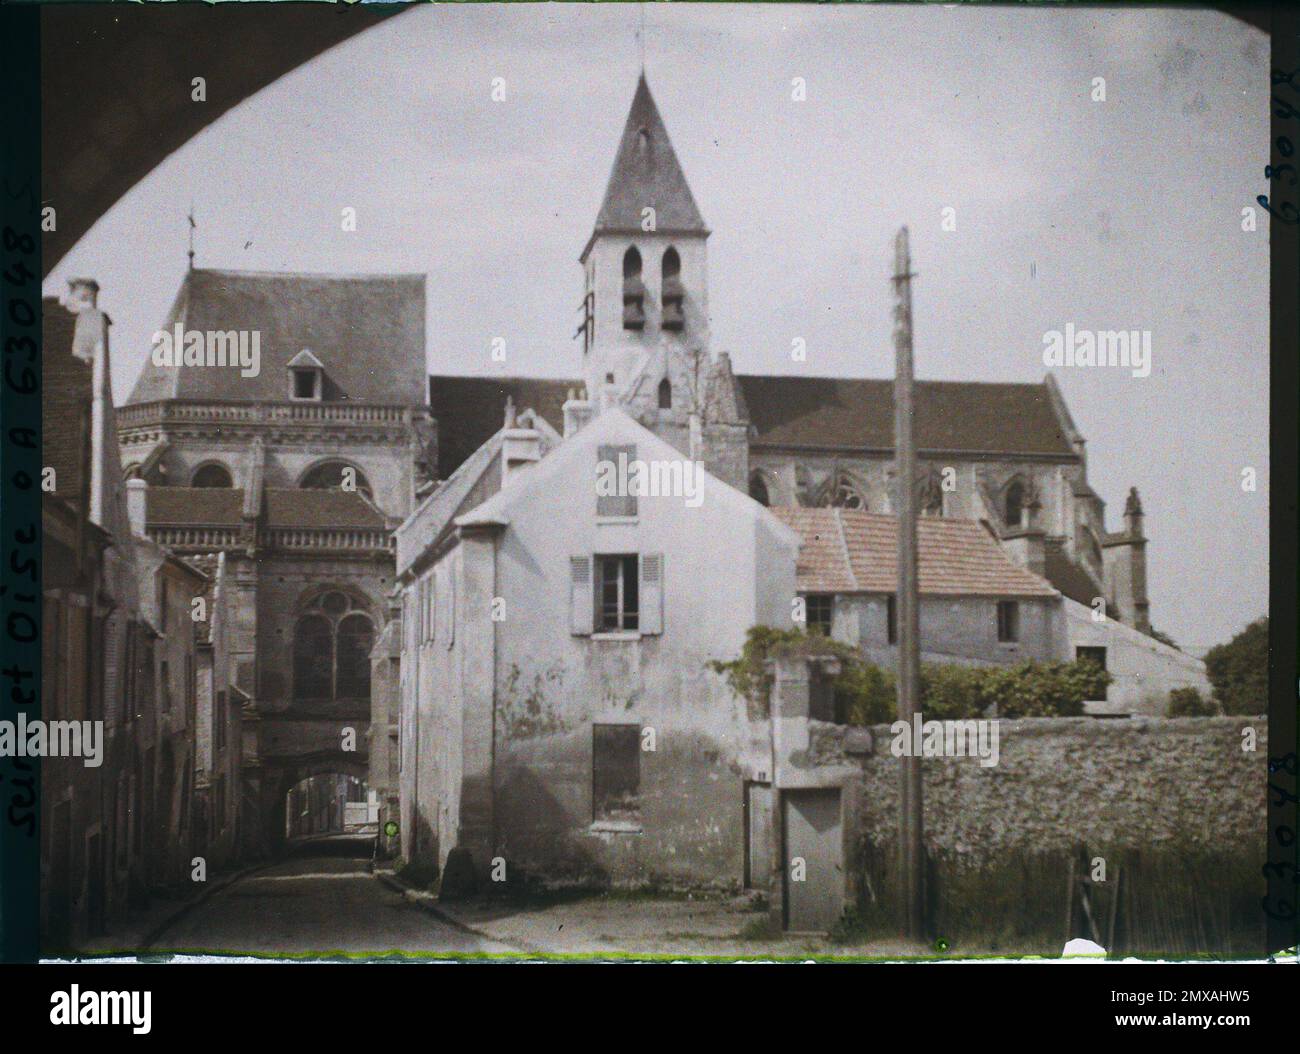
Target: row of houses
(133,640)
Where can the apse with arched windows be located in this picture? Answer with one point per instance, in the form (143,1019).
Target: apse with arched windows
(633,290)
(332,639)
(336,475)
(211,475)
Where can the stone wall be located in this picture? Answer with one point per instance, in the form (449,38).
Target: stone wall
(1181,783)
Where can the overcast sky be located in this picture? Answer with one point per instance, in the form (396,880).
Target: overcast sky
(1122,214)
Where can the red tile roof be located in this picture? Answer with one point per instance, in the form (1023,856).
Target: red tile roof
(852,414)
(849,551)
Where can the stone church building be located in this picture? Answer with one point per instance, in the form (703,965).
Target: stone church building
(298,474)
(1017,459)
(302,473)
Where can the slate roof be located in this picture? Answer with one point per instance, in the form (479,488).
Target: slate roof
(65,403)
(366,330)
(471,410)
(183,506)
(290,507)
(853,414)
(646,173)
(285,507)
(850,551)
(1068,577)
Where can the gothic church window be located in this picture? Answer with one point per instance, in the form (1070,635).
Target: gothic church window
(665,395)
(211,475)
(633,290)
(331,649)
(332,475)
(673,294)
(758,489)
(1014,504)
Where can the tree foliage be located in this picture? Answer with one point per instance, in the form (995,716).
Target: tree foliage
(866,694)
(1238,670)
(1189,702)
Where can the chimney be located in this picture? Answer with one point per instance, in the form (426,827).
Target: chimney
(82,293)
(577,413)
(520,446)
(136,495)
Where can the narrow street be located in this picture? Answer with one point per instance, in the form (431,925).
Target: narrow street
(322,898)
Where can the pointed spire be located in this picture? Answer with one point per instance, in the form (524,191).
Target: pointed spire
(646,174)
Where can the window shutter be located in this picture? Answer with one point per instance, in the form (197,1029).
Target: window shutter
(581,604)
(652,593)
(112,672)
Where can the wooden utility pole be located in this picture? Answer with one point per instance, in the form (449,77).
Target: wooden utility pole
(911,828)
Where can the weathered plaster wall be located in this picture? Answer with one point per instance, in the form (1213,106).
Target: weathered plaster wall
(1145,670)
(952,629)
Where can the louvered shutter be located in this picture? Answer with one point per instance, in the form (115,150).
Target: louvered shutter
(652,593)
(112,673)
(616,504)
(581,604)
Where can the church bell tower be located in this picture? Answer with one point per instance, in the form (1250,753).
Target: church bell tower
(645,309)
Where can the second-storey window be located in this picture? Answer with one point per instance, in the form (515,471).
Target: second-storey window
(819,608)
(617,594)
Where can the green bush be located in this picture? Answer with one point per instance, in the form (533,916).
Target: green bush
(1189,702)
(866,694)
(1238,670)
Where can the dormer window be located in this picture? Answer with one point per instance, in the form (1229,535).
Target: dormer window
(304,384)
(306,377)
